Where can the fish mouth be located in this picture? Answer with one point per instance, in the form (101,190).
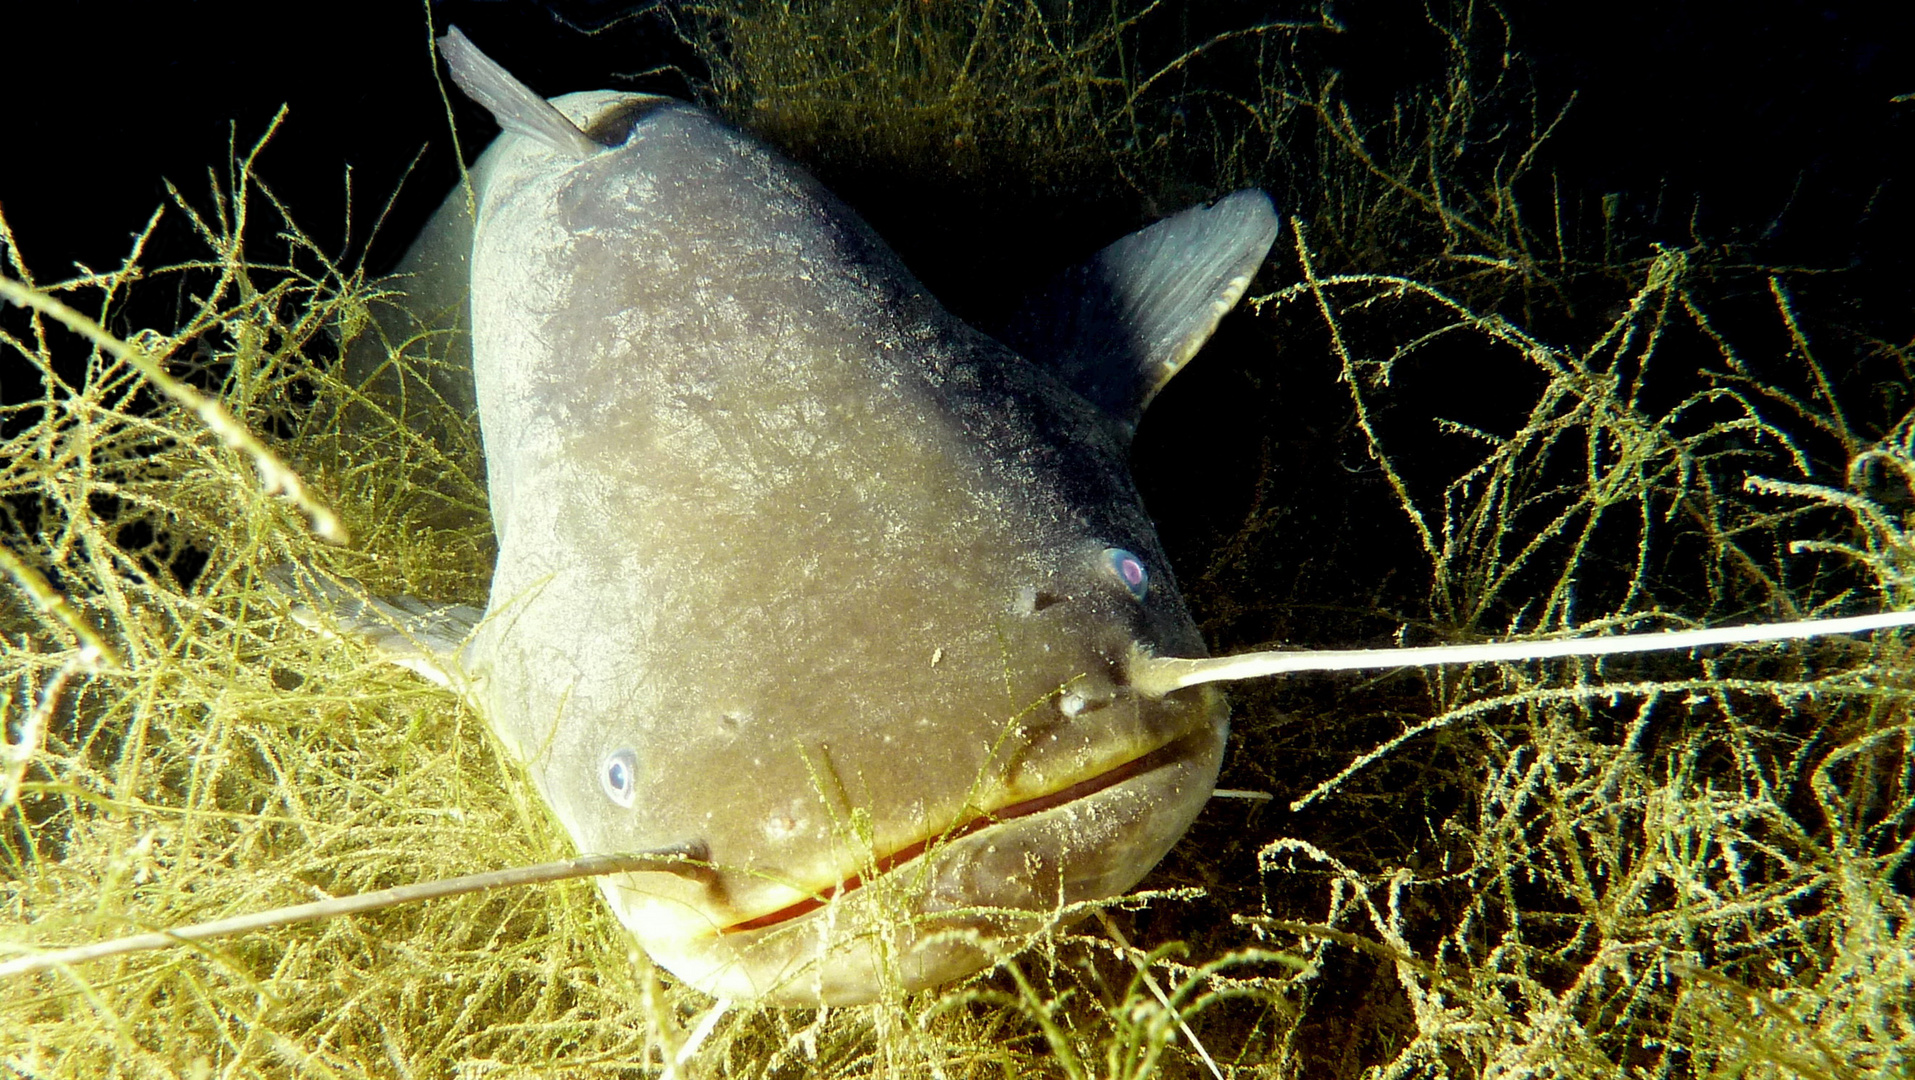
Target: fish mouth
(1137,766)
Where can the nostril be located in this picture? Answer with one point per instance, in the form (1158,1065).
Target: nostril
(1030,601)
(1079,700)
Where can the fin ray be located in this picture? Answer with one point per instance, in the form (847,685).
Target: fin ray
(512,103)
(1118,326)
(412,634)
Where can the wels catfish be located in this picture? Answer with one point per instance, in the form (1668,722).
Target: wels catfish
(803,576)
(798,571)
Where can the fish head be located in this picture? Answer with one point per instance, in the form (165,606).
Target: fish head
(895,718)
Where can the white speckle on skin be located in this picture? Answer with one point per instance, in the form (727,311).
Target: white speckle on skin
(781,827)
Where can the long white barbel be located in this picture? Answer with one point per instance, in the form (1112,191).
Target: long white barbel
(674,859)
(1155,676)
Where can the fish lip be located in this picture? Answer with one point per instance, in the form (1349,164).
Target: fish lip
(1165,755)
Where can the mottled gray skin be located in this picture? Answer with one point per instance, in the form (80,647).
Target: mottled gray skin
(827,562)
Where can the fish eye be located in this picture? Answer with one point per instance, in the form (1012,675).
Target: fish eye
(1129,570)
(619,777)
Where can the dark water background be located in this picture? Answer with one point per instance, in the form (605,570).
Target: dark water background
(1771,117)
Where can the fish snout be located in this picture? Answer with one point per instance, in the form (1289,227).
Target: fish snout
(958,901)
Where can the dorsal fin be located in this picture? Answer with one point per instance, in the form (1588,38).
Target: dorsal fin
(512,103)
(1118,326)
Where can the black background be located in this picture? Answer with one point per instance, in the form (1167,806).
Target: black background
(1778,114)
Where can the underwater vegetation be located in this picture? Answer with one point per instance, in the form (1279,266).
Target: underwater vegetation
(1461,403)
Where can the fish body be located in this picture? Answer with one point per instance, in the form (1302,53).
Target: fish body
(801,572)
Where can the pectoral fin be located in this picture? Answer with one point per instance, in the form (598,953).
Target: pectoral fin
(1118,326)
(420,637)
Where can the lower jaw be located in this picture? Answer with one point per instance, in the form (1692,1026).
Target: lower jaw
(963,904)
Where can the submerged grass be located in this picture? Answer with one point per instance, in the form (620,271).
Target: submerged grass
(1640,867)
